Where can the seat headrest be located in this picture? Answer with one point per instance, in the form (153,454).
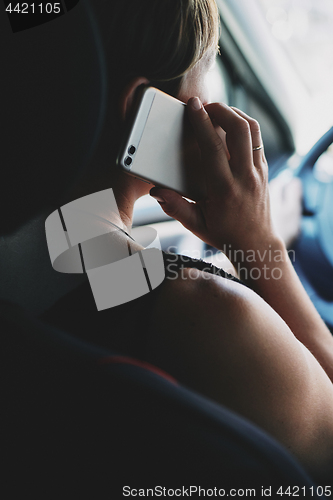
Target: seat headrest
(53,89)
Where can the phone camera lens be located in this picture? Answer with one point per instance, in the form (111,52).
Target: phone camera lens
(128,161)
(131,150)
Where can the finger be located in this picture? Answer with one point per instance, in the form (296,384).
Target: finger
(222,135)
(174,205)
(238,135)
(255,132)
(211,142)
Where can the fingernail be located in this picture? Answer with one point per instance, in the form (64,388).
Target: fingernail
(158,198)
(196,104)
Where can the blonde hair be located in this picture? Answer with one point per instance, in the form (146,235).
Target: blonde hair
(158,39)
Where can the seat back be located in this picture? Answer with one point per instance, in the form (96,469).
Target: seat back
(53,91)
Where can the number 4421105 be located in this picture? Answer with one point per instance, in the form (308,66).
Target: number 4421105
(32,8)
(296,491)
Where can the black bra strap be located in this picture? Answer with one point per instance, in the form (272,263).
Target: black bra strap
(174,262)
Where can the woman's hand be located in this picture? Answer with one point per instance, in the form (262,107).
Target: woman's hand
(235,213)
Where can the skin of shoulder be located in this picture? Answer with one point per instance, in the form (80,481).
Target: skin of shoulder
(224,341)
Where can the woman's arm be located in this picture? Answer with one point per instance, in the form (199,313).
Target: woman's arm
(280,286)
(235,218)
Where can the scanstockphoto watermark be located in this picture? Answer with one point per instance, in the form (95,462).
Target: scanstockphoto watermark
(260,491)
(249,265)
(183,492)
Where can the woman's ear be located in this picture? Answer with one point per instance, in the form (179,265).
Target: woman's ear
(128,94)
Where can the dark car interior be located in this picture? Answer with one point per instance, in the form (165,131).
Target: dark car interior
(80,421)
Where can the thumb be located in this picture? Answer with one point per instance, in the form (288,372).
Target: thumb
(174,205)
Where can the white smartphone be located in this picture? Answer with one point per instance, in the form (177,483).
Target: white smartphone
(159,146)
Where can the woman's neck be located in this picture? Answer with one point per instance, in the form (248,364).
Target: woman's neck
(126,190)
(27,277)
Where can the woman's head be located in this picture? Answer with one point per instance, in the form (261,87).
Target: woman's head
(158,39)
(168,44)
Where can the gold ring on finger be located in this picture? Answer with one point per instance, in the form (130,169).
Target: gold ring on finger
(259,147)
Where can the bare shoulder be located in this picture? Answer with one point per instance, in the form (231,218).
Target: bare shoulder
(201,316)
(226,342)
(227,327)
(200,297)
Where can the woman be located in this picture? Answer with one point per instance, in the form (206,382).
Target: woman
(265,352)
